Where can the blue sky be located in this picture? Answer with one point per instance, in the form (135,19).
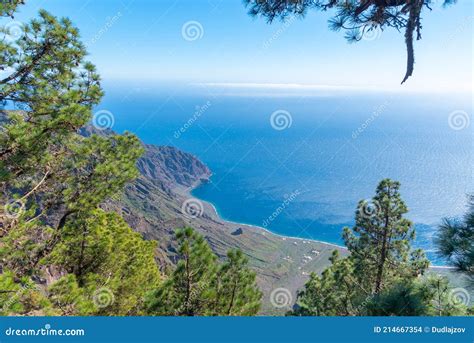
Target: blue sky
(142,40)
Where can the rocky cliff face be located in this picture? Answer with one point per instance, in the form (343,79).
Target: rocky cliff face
(152,205)
(171,167)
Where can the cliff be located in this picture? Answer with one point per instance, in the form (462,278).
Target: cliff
(152,205)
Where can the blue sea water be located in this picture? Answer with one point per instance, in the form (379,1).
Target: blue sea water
(339,145)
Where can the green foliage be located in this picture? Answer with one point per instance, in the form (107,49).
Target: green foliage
(22,296)
(455,241)
(333,293)
(193,274)
(55,89)
(401,299)
(441,297)
(382,275)
(54,238)
(70,299)
(235,289)
(199,286)
(102,166)
(356,17)
(380,241)
(102,252)
(432,296)
(8,7)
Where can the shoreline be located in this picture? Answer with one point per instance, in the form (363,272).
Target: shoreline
(188,192)
(267,230)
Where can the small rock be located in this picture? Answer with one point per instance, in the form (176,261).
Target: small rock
(237,232)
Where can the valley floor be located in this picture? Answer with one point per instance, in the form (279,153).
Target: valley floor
(153,205)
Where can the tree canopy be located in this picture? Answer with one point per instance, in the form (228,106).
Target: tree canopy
(60,252)
(383,275)
(455,241)
(201,286)
(357,17)
(8,7)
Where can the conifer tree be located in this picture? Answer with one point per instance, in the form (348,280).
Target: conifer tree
(188,291)
(440,297)
(102,252)
(236,290)
(53,181)
(431,296)
(399,299)
(380,241)
(8,7)
(381,274)
(334,293)
(455,241)
(200,286)
(357,17)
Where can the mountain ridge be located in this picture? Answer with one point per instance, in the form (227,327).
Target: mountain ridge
(153,206)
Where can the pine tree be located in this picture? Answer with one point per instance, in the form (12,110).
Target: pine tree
(188,292)
(400,299)
(236,290)
(312,300)
(379,242)
(200,286)
(455,241)
(440,298)
(381,274)
(108,255)
(334,293)
(356,17)
(432,296)
(53,182)
(8,7)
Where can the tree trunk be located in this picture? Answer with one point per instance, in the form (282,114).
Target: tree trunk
(232,299)
(383,250)
(188,288)
(383,256)
(81,259)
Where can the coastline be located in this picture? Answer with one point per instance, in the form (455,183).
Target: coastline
(216,212)
(189,193)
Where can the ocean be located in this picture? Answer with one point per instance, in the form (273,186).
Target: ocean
(298,161)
